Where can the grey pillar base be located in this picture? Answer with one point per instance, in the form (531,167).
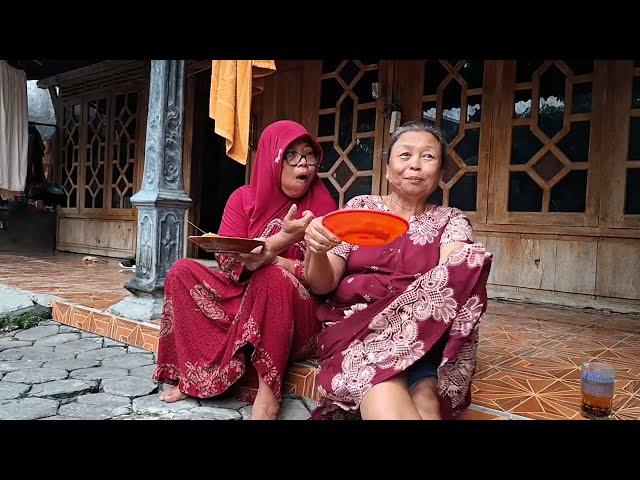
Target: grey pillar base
(142,308)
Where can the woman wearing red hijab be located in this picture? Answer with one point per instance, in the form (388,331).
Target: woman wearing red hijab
(242,325)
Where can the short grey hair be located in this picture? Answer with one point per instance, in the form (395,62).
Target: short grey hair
(419,127)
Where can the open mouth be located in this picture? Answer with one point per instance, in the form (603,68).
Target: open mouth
(302,177)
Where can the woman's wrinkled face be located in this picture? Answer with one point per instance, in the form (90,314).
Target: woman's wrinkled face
(299,165)
(414,164)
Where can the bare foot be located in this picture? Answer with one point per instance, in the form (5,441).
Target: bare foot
(266,405)
(265,411)
(172,394)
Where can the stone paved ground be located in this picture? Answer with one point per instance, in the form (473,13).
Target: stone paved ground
(56,372)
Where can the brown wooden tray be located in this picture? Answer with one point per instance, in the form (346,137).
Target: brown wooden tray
(226,244)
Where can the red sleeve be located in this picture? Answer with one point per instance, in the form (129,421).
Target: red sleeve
(234,224)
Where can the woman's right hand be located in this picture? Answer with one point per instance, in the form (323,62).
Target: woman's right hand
(320,239)
(295,228)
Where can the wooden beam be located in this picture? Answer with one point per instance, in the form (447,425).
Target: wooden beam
(97,68)
(197,66)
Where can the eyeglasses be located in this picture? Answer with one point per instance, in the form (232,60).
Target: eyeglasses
(293,158)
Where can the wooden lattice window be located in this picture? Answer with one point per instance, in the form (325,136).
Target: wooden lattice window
(452,98)
(632,164)
(623,196)
(550,135)
(349,128)
(95,153)
(70,154)
(99,152)
(123,152)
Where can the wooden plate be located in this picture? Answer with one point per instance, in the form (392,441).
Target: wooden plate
(219,244)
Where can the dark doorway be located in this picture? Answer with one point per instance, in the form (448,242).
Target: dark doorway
(214,176)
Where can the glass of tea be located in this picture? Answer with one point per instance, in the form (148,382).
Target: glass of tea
(597,385)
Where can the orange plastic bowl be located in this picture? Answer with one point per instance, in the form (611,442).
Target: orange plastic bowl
(366,228)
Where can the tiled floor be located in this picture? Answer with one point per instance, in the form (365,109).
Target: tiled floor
(65,275)
(529,356)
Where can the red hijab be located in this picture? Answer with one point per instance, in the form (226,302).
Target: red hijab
(253,206)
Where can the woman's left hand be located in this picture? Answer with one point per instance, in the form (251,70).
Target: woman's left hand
(259,256)
(319,238)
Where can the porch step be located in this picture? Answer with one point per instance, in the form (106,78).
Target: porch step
(299,380)
(139,334)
